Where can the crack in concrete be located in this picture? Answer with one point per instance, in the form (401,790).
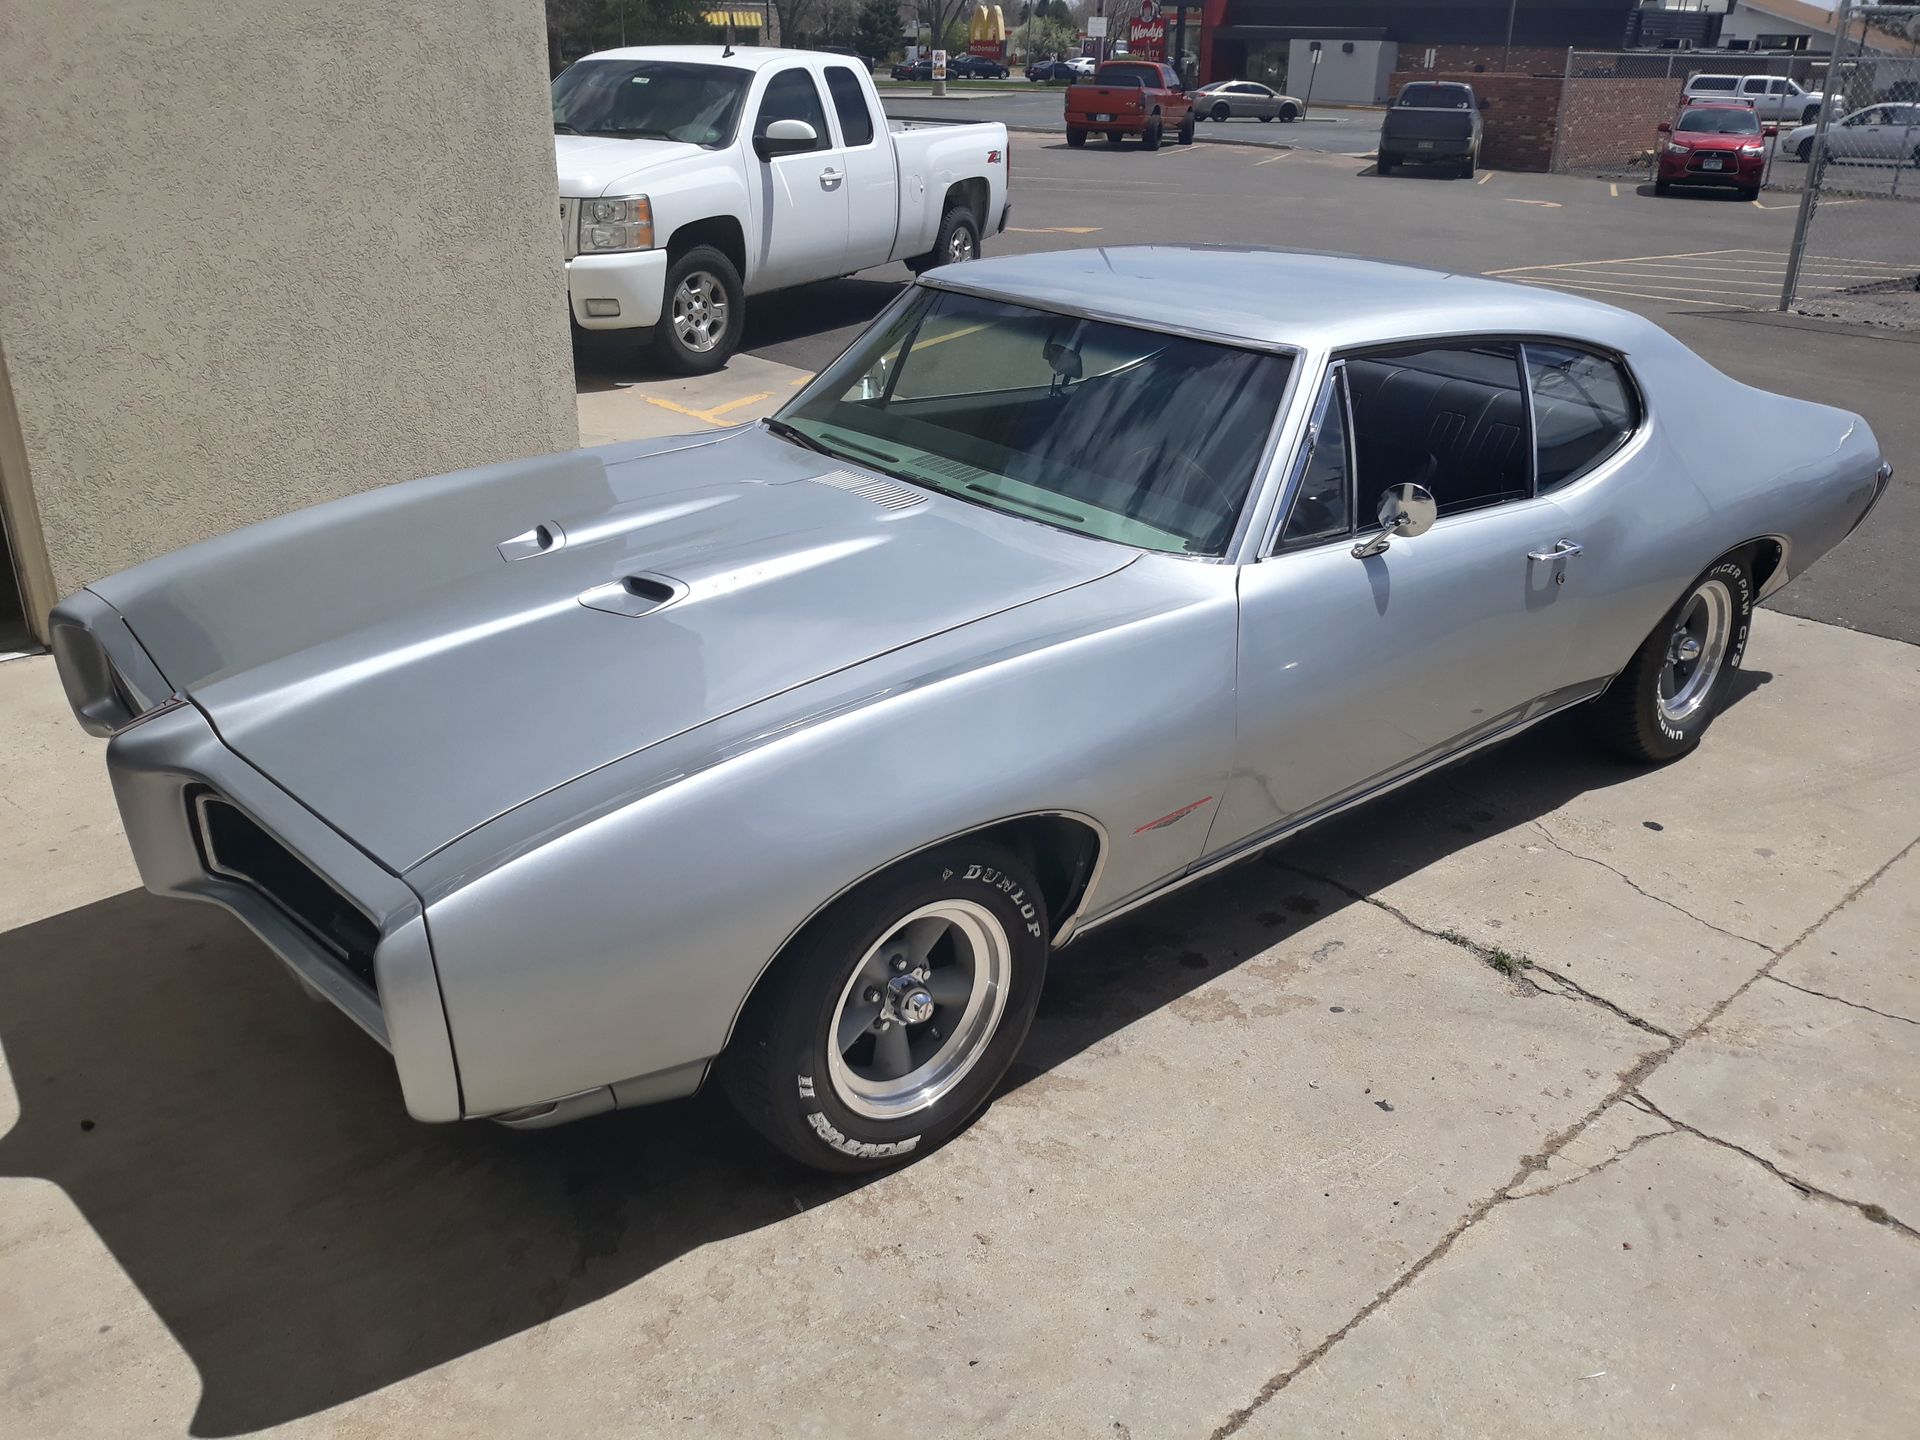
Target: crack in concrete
(1842,1000)
(1878,1214)
(1627,1090)
(1581,992)
(1594,1169)
(1640,889)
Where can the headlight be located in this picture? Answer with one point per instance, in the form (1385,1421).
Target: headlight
(1753,149)
(1674,147)
(623,223)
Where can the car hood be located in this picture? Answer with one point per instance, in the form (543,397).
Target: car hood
(381,659)
(589,164)
(1706,140)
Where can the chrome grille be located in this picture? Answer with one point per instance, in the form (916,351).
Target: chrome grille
(569,227)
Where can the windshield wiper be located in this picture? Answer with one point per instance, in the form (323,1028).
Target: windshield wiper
(799,437)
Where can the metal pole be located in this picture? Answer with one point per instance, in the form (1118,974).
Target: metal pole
(1796,251)
(1560,115)
(1506,55)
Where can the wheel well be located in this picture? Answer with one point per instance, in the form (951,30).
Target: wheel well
(1764,557)
(971,193)
(722,232)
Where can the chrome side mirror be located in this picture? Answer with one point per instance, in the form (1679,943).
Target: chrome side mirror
(1407,510)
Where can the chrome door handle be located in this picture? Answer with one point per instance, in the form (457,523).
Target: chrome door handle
(1560,550)
(831,178)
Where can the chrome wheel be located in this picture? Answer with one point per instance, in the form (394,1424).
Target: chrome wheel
(960,245)
(919,1010)
(700,311)
(1695,652)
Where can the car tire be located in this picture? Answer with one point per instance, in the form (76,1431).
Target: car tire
(1266,119)
(1150,137)
(1803,152)
(1185,134)
(1220,110)
(1468,166)
(1662,187)
(1810,114)
(1076,137)
(957,241)
(972,917)
(1749,192)
(691,338)
(1288,114)
(1384,164)
(1659,707)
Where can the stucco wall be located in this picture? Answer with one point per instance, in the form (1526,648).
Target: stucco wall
(256,256)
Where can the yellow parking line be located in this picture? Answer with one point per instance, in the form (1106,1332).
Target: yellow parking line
(801,381)
(720,410)
(1485,175)
(712,417)
(1613,190)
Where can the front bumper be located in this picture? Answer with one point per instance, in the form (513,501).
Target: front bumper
(164,769)
(631,282)
(1741,172)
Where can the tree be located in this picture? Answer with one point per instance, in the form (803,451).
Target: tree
(940,16)
(876,29)
(578,27)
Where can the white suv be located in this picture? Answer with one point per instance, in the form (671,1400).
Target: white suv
(1773,97)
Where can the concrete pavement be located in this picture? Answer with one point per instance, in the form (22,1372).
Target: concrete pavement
(1547,1097)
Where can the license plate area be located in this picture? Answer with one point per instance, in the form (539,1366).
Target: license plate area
(1103,117)
(1712,162)
(1423,144)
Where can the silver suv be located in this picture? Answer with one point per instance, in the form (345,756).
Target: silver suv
(1773,97)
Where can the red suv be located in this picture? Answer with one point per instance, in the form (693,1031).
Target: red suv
(1714,145)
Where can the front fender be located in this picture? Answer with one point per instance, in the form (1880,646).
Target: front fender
(612,928)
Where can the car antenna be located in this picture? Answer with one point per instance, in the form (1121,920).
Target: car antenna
(727,54)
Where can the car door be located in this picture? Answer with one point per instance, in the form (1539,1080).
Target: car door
(1357,668)
(872,184)
(1853,137)
(1754,89)
(800,200)
(1258,100)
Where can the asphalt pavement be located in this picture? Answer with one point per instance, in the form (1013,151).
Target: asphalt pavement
(1041,108)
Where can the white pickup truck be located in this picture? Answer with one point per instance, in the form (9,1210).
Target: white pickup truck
(694,176)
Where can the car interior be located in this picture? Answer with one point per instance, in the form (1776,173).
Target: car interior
(1451,419)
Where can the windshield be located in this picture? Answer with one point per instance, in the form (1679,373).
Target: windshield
(1720,122)
(650,100)
(1146,439)
(1434,97)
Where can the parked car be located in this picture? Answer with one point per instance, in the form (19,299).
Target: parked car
(671,157)
(921,69)
(1130,97)
(1432,122)
(975,67)
(1719,145)
(1050,71)
(1234,99)
(1876,134)
(1773,97)
(787,754)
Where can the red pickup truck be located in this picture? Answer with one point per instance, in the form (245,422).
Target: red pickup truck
(1130,97)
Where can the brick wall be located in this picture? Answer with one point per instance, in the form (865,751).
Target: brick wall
(1525,59)
(1611,124)
(1520,116)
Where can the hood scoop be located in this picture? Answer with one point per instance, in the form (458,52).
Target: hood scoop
(537,541)
(888,494)
(634,595)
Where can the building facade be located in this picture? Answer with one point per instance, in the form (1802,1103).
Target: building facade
(254,257)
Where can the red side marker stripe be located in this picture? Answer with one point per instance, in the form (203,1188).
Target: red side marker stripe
(1180,814)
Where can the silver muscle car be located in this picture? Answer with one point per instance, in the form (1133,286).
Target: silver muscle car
(789,752)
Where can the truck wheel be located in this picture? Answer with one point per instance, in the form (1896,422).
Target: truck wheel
(1076,138)
(1384,164)
(1467,167)
(957,242)
(1186,129)
(1810,114)
(887,1024)
(704,311)
(1150,137)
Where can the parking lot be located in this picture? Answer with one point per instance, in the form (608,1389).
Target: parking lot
(1546,1097)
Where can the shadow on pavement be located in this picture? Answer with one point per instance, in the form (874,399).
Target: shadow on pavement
(607,359)
(244,1155)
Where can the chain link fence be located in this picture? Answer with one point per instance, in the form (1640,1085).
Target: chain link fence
(1855,253)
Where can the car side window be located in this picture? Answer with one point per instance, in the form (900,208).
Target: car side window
(850,104)
(1451,418)
(1754,85)
(1776,87)
(1323,498)
(792,95)
(1583,411)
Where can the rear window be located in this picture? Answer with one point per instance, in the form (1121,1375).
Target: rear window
(1144,76)
(1434,97)
(1712,82)
(1583,411)
(850,103)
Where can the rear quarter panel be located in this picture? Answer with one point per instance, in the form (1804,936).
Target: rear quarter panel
(612,928)
(935,158)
